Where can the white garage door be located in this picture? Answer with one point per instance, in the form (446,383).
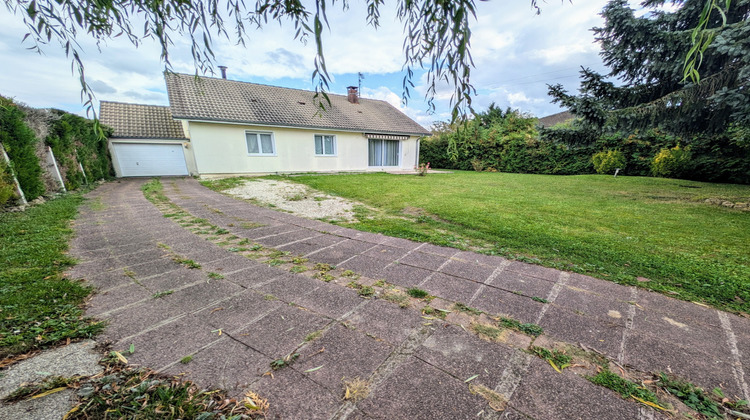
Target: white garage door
(139,159)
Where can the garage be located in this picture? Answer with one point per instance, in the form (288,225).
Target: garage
(146,141)
(155,159)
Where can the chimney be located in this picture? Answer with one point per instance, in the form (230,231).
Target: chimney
(223,71)
(352,94)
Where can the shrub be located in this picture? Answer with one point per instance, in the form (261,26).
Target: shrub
(673,162)
(7,189)
(609,161)
(19,142)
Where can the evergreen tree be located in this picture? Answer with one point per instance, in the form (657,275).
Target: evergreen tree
(647,55)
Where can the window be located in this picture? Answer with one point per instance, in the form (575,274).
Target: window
(260,143)
(325,145)
(383,152)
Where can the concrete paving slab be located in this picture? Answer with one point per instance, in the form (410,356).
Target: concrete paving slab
(682,331)
(226,364)
(520,283)
(153,268)
(386,253)
(77,359)
(707,370)
(586,303)
(402,243)
(533,270)
(133,320)
(416,390)
(464,355)
(141,257)
(254,275)
(424,260)
(368,266)
(499,302)
(292,396)
(232,262)
(330,300)
(109,280)
(289,287)
(546,394)
(450,287)
(482,259)
(313,244)
(238,311)
(169,342)
(261,232)
(599,287)
(341,251)
(285,238)
(385,320)
(175,279)
(404,275)
(280,332)
(112,299)
(347,354)
(605,336)
(51,407)
(201,295)
(476,272)
(677,309)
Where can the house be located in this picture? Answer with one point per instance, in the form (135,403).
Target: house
(554,119)
(226,127)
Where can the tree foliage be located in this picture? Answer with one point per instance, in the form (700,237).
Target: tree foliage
(437,32)
(646,54)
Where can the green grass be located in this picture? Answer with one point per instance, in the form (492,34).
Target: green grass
(39,307)
(624,387)
(224,184)
(612,228)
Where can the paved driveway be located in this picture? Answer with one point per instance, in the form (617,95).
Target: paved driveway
(236,313)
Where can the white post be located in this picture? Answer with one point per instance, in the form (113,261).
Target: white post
(19,191)
(52,162)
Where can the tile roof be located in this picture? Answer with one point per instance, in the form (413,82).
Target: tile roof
(212,99)
(555,119)
(134,121)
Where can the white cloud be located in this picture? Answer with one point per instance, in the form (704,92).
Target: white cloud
(383,93)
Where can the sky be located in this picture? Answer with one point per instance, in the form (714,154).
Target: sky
(516,54)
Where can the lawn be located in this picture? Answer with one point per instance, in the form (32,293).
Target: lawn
(620,229)
(38,306)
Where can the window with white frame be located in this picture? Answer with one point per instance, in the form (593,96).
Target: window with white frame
(383,152)
(325,145)
(260,143)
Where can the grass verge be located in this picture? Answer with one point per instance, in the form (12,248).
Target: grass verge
(651,232)
(39,306)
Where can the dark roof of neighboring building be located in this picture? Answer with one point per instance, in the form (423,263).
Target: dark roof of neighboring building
(213,99)
(135,121)
(555,119)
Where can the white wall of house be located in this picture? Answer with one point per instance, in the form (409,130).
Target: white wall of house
(222,149)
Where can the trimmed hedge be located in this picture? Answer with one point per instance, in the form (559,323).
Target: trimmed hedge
(74,139)
(19,142)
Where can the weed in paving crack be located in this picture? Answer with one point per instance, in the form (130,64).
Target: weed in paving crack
(215,276)
(275,262)
(528,328)
(270,297)
(496,401)
(186,262)
(462,307)
(624,387)
(161,294)
(298,269)
(351,274)
(690,395)
(313,335)
(538,299)
(401,300)
(187,359)
(417,293)
(35,390)
(285,361)
(322,275)
(362,290)
(557,358)
(356,389)
(487,331)
(299,260)
(439,313)
(323,267)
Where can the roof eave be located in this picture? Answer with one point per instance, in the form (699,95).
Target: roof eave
(310,127)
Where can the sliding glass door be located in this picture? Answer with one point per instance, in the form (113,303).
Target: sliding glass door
(383,152)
